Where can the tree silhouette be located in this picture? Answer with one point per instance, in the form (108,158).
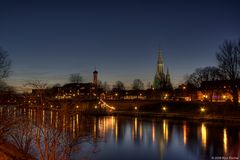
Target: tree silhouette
(75,78)
(5,64)
(119,86)
(137,84)
(200,75)
(228,58)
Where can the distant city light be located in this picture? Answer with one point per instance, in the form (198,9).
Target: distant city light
(164,108)
(202,109)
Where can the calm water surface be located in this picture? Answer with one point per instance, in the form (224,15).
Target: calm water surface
(137,138)
(123,138)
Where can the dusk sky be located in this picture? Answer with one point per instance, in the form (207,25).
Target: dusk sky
(49,40)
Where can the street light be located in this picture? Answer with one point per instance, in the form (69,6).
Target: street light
(202,109)
(164,108)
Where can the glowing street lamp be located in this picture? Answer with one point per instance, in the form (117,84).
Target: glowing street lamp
(202,109)
(164,108)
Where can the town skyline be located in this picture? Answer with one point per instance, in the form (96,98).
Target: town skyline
(50,40)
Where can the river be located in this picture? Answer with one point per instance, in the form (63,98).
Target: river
(139,138)
(122,138)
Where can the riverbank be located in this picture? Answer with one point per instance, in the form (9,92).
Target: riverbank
(235,118)
(201,111)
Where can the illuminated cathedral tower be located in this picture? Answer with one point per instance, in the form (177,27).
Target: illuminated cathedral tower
(161,80)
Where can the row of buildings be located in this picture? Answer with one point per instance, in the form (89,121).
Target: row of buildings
(216,91)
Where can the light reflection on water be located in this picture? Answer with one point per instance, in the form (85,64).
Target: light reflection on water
(184,133)
(204,135)
(139,138)
(225,140)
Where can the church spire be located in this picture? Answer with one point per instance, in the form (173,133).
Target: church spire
(160,64)
(168,76)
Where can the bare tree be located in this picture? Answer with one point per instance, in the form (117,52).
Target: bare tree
(228,58)
(5,64)
(137,84)
(5,87)
(105,86)
(200,75)
(196,79)
(56,85)
(75,78)
(57,143)
(22,134)
(119,86)
(36,84)
(7,120)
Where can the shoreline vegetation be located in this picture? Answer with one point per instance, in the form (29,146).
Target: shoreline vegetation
(9,152)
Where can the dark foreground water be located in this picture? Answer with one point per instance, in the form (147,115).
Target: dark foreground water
(122,138)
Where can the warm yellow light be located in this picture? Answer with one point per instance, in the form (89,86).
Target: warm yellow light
(165,130)
(224,97)
(225,140)
(202,109)
(135,108)
(204,135)
(95,107)
(116,94)
(77,107)
(184,87)
(184,134)
(164,108)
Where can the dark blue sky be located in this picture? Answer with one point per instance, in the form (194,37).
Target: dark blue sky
(50,40)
